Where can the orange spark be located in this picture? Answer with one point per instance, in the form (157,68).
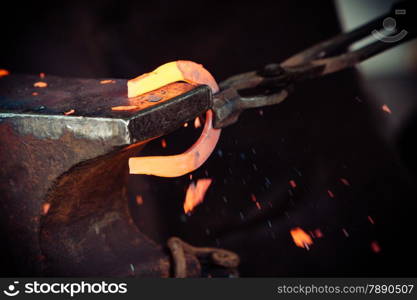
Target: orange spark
(181,164)
(35,93)
(197,123)
(185,124)
(345,181)
(42,75)
(331,195)
(4,72)
(181,70)
(70,112)
(195,194)
(258,205)
(107,81)
(40,84)
(124,107)
(318,233)
(301,238)
(139,200)
(386,109)
(163,143)
(45,208)
(293,184)
(375,247)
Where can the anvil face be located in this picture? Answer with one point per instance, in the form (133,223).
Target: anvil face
(41,111)
(63,199)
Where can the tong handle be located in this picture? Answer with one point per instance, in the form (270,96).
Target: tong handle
(272,84)
(341,41)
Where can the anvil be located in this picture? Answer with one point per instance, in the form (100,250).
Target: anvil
(63,158)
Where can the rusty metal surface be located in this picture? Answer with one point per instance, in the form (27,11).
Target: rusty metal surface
(63,199)
(88,230)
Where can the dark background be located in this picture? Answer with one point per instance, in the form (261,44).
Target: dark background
(327,130)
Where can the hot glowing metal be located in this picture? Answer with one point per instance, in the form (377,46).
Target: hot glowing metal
(181,164)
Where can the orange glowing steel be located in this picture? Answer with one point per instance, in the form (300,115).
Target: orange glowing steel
(4,72)
(70,112)
(181,70)
(107,81)
(301,238)
(197,123)
(40,84)
(386,109)
(124,107)
(181,164)
(195,194)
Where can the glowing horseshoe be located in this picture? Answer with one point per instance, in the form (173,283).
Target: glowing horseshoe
(181,164)
(180,70)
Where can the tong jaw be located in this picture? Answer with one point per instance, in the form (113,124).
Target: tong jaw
(274,82)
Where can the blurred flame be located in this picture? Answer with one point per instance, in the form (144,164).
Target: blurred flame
(301,238)
(40,84)
(4,72)
(345,181)
(386,109)
(197,123)
(45,208)
(195,194)
(375,247)
(107,81)
(70,112)
(139,200)
(163,143)
(318,233)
